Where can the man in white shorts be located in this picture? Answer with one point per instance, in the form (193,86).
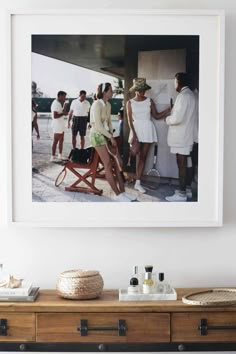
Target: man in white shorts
(181,131)
(58,110)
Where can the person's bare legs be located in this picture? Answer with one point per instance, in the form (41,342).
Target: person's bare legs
(61,140)
(82,142)
(56,138)
(106,160)
(142,159)
(74,141)
(119,177)
(180,195)
(140,164)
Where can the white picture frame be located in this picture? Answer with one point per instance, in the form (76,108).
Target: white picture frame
(207,211)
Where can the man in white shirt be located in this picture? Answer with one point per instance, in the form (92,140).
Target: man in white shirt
(58,110)
(181,131)
(79,110)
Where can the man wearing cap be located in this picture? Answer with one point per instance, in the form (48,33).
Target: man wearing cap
(181,131)
(79,110)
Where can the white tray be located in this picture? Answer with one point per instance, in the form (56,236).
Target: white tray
(124,296)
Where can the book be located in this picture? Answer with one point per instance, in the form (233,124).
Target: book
(24,290)
(27,298)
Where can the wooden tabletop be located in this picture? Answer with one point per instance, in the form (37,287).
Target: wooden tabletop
(49,301)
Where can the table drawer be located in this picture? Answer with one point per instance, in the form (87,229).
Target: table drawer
(17,327)
(65,327)
(203,327)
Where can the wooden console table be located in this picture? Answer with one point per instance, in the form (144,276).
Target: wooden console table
(105,324)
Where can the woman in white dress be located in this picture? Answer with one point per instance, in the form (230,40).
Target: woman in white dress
(140,111)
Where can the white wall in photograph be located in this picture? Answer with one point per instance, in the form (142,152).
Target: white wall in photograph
(190,257)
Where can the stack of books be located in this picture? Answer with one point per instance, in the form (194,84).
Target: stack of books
(26,292)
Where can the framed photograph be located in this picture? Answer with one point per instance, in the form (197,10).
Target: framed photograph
(71,53)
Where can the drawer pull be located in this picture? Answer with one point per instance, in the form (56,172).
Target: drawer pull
(203,327)
(3,327)
(83,329)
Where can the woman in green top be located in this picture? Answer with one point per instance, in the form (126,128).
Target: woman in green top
(101,132)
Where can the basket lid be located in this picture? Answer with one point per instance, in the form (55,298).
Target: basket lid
(78,273)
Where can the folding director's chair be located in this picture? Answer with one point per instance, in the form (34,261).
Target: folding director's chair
(85,173)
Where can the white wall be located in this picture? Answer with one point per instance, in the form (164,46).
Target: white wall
(190,257)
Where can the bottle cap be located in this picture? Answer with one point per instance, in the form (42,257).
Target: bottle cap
(161,276)
(133,281)
(148,268)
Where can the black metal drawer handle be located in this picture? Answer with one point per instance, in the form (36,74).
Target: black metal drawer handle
(203,327)
(3,327)
(83,329)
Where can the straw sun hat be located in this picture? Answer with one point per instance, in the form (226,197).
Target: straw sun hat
(139,84)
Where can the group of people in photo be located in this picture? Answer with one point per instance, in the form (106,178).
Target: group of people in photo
(181,119)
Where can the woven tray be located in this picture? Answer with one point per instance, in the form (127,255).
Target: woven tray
(211,297)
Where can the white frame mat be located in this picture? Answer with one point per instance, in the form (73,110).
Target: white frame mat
(20,25)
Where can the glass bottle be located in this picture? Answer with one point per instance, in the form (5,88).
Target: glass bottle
(148,283)
(134,286)
(162,286)
(149,269)
(134,281)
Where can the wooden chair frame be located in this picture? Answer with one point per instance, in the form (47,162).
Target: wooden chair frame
(88,178)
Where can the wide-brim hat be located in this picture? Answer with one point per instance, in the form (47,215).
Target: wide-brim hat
(139,84)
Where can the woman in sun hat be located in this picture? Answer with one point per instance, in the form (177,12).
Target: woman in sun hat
(140,111)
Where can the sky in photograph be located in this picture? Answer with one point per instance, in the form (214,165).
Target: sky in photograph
(53,75)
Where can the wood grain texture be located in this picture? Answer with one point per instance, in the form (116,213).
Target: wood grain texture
(21,327)
(49,301)
(184,327)
(148,328)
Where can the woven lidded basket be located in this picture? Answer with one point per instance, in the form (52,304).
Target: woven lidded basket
(79,284)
